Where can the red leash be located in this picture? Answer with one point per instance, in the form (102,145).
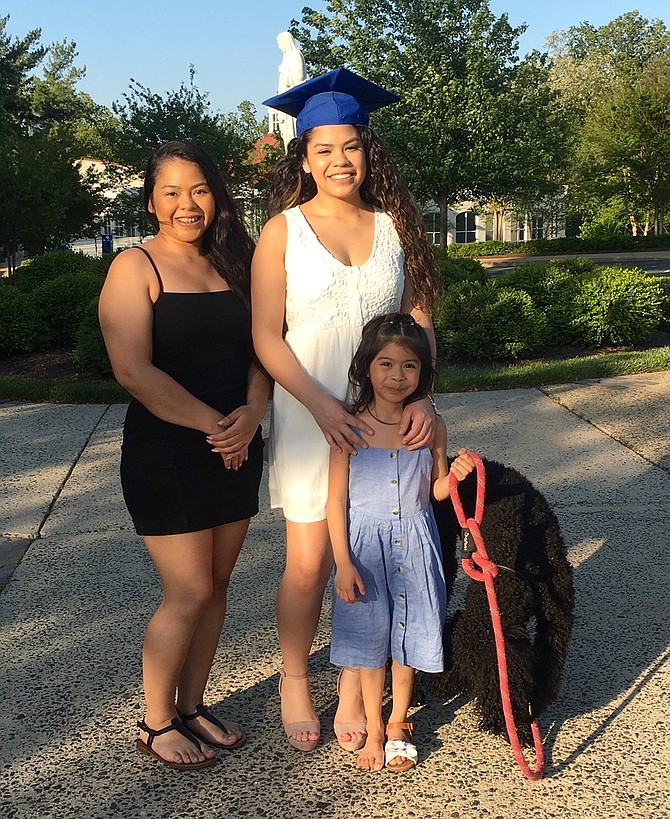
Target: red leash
(486,572)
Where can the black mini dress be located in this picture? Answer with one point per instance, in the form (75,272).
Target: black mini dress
(172,482)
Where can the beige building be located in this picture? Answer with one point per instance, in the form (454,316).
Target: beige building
(468,222)
(114,181)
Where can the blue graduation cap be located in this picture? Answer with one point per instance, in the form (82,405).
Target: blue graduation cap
(338,97)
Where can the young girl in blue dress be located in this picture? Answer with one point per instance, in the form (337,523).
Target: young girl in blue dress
(391,594)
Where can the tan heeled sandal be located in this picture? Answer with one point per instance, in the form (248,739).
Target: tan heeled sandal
(349,727)
(312,726)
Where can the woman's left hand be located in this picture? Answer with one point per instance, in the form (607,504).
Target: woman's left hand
(417,425)
(237,430)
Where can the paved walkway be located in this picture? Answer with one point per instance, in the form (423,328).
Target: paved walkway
(651,260)
(73,612)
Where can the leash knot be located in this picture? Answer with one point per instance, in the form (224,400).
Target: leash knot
(487,566)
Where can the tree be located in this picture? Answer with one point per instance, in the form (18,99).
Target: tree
(147,120)
(63,113)
(601,76)
(587,61)
(46,201)
(626,144)
(475,122)
(18,57)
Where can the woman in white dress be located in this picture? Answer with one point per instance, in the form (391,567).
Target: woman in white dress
(347,244)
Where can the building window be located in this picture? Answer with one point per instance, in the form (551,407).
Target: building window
(518,229)
(431,222)
(488,225)
(465,228)
(537,227)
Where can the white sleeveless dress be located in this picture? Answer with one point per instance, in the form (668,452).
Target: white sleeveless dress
(327,305)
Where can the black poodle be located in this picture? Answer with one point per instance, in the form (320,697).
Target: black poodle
(535,594)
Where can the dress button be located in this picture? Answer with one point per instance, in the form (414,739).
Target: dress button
(396,542)
(394,482)
(393,455)
(402,625)
(400,569)
(402,597)
(396,511)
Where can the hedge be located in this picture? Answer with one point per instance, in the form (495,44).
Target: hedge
(551,247)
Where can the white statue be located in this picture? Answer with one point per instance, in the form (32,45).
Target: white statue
(291,72)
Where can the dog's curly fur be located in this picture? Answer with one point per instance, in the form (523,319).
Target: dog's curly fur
(535,597)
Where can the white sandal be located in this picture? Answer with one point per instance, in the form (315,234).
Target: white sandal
(400,748)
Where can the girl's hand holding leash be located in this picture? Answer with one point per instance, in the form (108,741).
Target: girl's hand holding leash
(347,580)
(462,465)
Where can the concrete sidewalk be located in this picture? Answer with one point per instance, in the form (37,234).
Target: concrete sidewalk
(646,259)
(73,612)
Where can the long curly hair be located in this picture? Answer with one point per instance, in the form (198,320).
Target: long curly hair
(402,329)
(225,243)
(382,188)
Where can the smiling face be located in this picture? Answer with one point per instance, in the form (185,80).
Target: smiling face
(181,201)
(394,373)
(335,158)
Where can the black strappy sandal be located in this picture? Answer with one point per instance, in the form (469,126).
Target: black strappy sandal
(205,713)
(175,725)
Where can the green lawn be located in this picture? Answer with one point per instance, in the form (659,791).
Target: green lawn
(450,378)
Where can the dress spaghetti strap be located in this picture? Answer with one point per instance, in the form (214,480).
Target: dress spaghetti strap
(153,264)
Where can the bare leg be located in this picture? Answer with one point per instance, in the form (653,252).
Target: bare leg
(371,757)
(299,599)
(227,542)
(184,566)
(402,677)
(350,708)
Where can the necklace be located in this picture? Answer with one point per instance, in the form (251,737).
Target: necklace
(387,423)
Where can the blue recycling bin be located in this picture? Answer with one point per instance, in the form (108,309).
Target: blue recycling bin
(107,243)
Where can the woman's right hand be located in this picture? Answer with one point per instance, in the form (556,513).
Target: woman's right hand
(339,425)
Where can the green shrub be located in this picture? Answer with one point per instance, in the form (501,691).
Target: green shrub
(569,244)
(59,305)
(528,273)
(36,272)
(487,322)
(552,287)
(617,305)
(454,269)
(18,330)
(663,283)
(90,352)
(492,248)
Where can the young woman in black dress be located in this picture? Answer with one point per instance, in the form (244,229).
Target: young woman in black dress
(175,318)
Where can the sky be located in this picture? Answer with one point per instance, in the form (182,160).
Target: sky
(232,43)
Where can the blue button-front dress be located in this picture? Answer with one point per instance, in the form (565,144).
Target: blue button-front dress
(394,544)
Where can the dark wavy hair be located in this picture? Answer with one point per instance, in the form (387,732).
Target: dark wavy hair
(382,188)
(402,329)
(226,243)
